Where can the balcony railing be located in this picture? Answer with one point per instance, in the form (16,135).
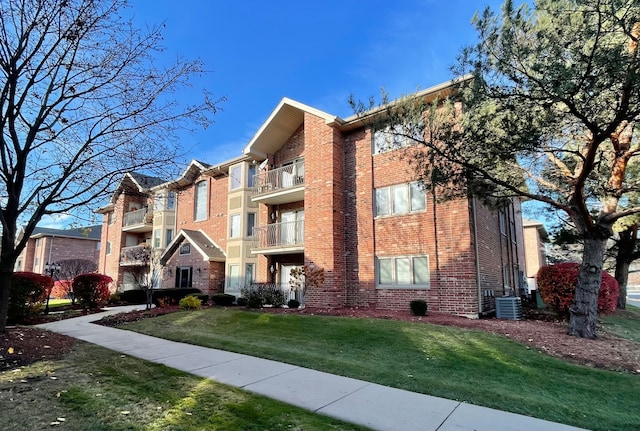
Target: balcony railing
(286,177)
(136,217)
(136,255)
(287,234)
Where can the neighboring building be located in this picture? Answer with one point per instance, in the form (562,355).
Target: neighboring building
(535,237)
(46,245)
(311,188)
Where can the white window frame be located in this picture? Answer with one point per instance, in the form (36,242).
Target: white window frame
(396,261)
(250,225)
(235,226)
(184,249)
(390,193)
(252,170)
(200,201)
(392,137)
(235,177)
(157,236)
(168,236)
(108,248)
(233,281)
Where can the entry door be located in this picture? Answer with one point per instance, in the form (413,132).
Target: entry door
(286,282)
(183,277)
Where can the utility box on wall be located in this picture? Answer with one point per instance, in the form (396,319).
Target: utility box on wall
(509,307)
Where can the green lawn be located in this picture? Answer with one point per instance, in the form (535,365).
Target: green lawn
(623,323)
(100,390)
(454,363)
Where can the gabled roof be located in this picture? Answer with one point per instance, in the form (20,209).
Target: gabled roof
(281,124)
(195,169)
(90,232)
(131,181)
(200,241)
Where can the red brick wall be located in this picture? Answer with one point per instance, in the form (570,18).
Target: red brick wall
(206,276)
(215,225)
(324,210)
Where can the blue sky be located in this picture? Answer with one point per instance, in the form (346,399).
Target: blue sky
(317,53)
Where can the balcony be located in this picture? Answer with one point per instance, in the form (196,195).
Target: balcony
(137,221)
(281,185)
(138,255)
(279,238)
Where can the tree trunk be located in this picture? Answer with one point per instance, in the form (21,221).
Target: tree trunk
(622,276)
(584,310)
(6,273)
(624,257)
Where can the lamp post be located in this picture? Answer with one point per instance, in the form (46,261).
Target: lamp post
(51,269)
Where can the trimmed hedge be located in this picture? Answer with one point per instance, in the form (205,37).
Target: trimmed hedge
(92,289)
(223,299)
(28,293)
(557,286)
(418,307)
(169,296)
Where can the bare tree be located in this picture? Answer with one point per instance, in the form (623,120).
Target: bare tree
(70,268)
(147,272)
(81,103)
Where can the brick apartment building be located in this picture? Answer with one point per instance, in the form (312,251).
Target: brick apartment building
(46,245)
(312,188)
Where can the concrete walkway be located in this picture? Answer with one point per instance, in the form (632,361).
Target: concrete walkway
(356,401)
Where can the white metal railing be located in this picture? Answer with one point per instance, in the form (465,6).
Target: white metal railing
(279,179)
(279,234)
(135,217)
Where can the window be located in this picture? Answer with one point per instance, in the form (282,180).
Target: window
(156,238)
(38,242)
(110,217)
(201,201)
(234,276)
(248,274)
(251,223)
(108,247)
(171,200)
(234,222)
(251,173)
(169,237)
(400,199)
(235,177)
(502,216)
(185,248)
(403,272)
(394,137)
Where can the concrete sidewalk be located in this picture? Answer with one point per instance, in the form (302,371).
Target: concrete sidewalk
(369,404)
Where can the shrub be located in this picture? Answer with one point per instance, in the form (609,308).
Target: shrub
(242,302)
(557,286)
(28,292)
(133,296)
(292,303)
(61,289)
(418,307)
(173,295)
(92,290)
(259,294)
(223,299)
(190,303)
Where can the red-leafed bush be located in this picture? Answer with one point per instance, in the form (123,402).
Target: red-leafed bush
(92,290)
(557,286)
(61,289)
(28,292)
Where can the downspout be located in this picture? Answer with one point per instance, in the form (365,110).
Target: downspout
(435,236)
(476,252)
